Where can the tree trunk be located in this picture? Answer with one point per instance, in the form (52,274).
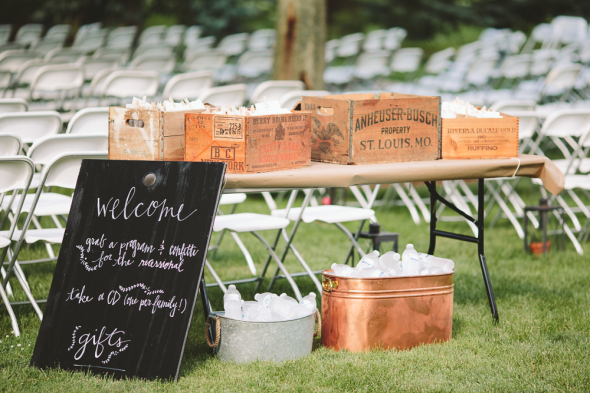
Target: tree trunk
(301,35)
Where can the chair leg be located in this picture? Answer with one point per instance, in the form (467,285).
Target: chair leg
(10,312)
(215,276)
(280,265)
(8,287)
(245,251)
(303,263)
(408,202)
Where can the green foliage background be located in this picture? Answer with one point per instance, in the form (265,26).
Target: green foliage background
(422,18)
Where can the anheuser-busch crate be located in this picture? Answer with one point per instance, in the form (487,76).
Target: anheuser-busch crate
(151,135)
(374,128)
(249,144)
(480,138)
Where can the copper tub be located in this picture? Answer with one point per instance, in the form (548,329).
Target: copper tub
(396,312)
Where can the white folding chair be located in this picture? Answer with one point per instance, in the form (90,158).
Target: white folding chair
(481,70)
(394,38)
(439,61)
(274,90)
(290,99)
(130,83)
(121,56)
(11,105)
(330,50)
(252,65)
(205,61)
(15,176)
(66,55)
(188,85)
(374,40)
(350,45)
(406,60)
(121,37)
(91,41)
(10,145)
(61,172)
(60,79)
(372,64)
(173,35)
(199,45)
(5,31)
(58,32)
(153,49)
(44,46)
(21,85)
(152,35)
(30,126)
(262,39)
(12,60)
(29,33)
(191,35)
(163,64)
(94,91)
(234,44)
(514,105)
(5,81)
(90,121)
(92,66)
(225,95)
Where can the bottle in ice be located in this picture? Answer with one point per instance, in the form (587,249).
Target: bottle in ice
(232,303)
(370,260)
(342,270)
(430,261)
(410,261)
(309,303)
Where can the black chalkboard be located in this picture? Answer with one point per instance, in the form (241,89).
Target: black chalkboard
(127,276)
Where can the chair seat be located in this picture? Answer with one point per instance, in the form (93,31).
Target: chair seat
(248,222)
(232,199)
(49,203)
(4,242)
(577,181)
(327,213)
(49,235)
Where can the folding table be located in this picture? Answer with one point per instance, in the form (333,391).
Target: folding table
(319,175)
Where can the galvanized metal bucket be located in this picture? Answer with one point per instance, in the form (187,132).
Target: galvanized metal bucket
(395,312)
(243,341)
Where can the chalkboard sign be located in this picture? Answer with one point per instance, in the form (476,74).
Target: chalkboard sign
(127,276)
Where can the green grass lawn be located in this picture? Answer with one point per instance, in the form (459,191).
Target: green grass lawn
(542,342)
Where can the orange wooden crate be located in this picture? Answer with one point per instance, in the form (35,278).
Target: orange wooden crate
(249,144)
(373,128)
(473,138)
(152,135)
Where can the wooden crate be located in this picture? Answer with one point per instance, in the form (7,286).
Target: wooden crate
(250,144)
(138,134)
(373,128)
(473,138)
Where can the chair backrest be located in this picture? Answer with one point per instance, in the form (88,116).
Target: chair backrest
(129,83)
(5,79)
(330,50)
(11,105)
(90,121)
(201,45)
(27,71)
(514,105)
(5,31)
(46,149)
(262,39)
(91,41)
(374,40)
(16,173)
(350,45)
(274,90)
(394,38)
(225,95)
(517,66)
(30,126)
(153,49)
(569,29)
(468,52)
(188,85)
(205,61)
(159,63)
(12,60)
(563,76)
(29,33)
(152,35)
(543,60)
(406,60)
(254,64)
(45,46)
(59,77)
(439,61)
(63,171)
(191,35)
(233,44)
(121,56)
(67,55)
(566,123)
(173,35)
(92,66)
(373,60)
(121,37)
(290,99)
(58,32)
(10,145)
(97,83)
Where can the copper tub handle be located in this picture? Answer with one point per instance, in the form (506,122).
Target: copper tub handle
(328,284)
(217,332)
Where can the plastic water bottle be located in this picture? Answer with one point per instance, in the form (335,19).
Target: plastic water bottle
(342,270)
(389,260)
(410,261)
(288,298)
(283,309)
(371,273)
(369,260)
(265,298)
(232,303)
(309,303)
(430,260)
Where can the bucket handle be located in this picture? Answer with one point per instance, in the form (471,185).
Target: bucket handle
(319,321)
(217,332)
